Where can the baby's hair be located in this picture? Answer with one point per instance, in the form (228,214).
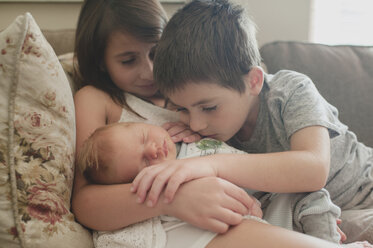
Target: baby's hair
(92,156)
(207,40)
(144,19)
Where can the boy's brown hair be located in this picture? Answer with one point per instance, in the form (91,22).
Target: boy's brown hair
(207,40)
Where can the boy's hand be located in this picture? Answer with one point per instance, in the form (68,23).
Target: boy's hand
(212,203)
(169,175)
(181,132)
(343,235)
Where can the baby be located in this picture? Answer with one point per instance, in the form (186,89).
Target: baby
(116,153)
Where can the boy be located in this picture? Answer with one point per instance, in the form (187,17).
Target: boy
(208,64)
(116,153)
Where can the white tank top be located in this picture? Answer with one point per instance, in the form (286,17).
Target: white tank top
(153,114)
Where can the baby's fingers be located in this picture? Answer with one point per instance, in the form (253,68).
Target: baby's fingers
(143,182)
(172,186)
(160,181)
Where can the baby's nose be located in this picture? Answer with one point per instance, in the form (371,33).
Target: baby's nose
(155,155)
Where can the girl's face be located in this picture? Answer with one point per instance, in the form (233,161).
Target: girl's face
(129,63)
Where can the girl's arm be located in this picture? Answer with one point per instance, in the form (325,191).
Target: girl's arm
(109,207)
(251,233)
(302,169)
(97,206)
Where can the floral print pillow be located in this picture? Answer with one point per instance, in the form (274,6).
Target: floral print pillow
(37,143)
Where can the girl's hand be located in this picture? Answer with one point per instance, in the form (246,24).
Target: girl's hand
(151,181)
(212,203)
(181,132)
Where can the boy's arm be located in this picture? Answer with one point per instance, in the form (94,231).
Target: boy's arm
(302,169)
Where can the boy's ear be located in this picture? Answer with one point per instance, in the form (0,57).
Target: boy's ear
(254,80)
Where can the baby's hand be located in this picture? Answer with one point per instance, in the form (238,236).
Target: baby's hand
(169,175)
(181,132)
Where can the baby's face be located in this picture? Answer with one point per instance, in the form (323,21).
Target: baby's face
(137,146)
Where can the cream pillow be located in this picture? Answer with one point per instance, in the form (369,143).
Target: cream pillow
(37,143)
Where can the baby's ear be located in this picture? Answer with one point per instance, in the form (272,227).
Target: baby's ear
(254,80)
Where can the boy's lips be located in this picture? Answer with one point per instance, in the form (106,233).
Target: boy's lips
(211,136)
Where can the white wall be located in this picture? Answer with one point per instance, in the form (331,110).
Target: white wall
(276,19)
(280,19)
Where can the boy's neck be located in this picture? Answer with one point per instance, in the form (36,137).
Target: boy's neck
(247,129)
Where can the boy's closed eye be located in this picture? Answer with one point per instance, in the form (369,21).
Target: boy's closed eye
(172,106)
(208,109)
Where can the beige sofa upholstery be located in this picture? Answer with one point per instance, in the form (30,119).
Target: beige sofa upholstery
(342,74)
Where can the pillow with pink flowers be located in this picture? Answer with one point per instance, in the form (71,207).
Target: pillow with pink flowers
(37,143)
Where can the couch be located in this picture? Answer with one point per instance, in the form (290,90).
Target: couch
(37,122)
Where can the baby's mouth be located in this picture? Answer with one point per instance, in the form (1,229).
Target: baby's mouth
(165,148)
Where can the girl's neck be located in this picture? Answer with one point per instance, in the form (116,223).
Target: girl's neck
(157,100)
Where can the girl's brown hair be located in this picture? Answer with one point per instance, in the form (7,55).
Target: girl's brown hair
(144,19)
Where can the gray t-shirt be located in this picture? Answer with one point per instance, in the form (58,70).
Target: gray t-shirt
(289,101)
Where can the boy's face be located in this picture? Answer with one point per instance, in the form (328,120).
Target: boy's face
(212,110)
(135,147)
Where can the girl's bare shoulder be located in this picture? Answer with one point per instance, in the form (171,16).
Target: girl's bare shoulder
(97,101)
(89,91)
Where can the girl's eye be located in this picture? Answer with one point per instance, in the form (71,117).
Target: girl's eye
(151,53)
(208,109)
(128,61)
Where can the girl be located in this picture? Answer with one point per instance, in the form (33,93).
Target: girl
(114,48)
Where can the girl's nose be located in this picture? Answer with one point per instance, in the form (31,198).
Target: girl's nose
(147,69)
(197,124)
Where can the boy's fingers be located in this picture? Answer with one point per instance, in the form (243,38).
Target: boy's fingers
(175,129)
(168,125)
(235,206)
(256,211)
(194,137)
(240,195)
(229,217)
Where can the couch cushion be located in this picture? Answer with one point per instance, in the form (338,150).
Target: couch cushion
(342,74)
(37,143)
(62,40)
